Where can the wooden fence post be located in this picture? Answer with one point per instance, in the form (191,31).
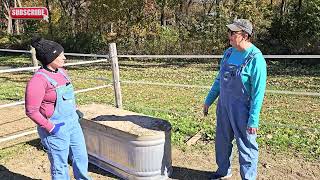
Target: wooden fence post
(115,74)
(34,58)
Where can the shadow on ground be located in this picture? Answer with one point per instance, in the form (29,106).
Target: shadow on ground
(92,168)
(189,174)
(179,173)
(6,174)
(95,169)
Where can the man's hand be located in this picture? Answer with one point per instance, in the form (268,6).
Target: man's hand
(252,130)
(205,109)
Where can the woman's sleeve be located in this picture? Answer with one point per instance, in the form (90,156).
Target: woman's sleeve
(258,82)
(35,92)
(214,91)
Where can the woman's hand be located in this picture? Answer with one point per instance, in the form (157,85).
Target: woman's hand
(56,128)
(205,109)
(252,130)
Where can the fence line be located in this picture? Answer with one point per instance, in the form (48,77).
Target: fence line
(219,56)
(94,88)
(294,93)
(287,56)
(174,85)
(78,91)
(208,87)
(14,50)
(66,64)
(68,54)
(17,136)
(263,122)
(86,62)
(18,69)
(88,78)
(11,104)
(172,56)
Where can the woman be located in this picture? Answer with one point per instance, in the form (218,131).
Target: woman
(240,86)
(50,103)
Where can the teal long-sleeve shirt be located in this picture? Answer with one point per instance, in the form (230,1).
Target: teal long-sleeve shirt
(254,77)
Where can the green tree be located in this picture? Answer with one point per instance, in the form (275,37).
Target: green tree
(297,31)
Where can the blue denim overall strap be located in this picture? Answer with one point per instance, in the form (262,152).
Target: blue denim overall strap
(68,139)
(65,76)
(226,56)
(52,81)
(232,118)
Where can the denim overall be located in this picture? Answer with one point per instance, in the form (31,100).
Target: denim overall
(232,119)
(68,139)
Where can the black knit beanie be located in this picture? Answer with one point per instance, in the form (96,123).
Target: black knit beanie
(46,50)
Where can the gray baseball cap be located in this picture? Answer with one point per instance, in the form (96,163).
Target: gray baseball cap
(241,25)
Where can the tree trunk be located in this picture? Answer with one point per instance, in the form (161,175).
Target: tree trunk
(8,17)
(9,28)
(72,9)
(217,18)
(49,18)
(282,7)
(178,21)
(73,21)
(162,16)
(300,6)
(69,10)
(20,25)
(188,6)
(210,7)
(16,21)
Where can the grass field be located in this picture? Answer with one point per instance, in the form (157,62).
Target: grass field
(290,124)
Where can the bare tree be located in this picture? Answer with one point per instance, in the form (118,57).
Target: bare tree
(72,9)
(162,15)
(49,17)
(299,5)
(188,5)
(211,6)
(282,7)
(6,5)
(17,3)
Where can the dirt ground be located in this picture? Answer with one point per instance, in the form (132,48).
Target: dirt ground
(192,163)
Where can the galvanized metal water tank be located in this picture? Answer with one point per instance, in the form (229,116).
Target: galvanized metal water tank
(127,144)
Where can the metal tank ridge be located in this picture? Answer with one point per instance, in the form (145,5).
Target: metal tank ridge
(127,144)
